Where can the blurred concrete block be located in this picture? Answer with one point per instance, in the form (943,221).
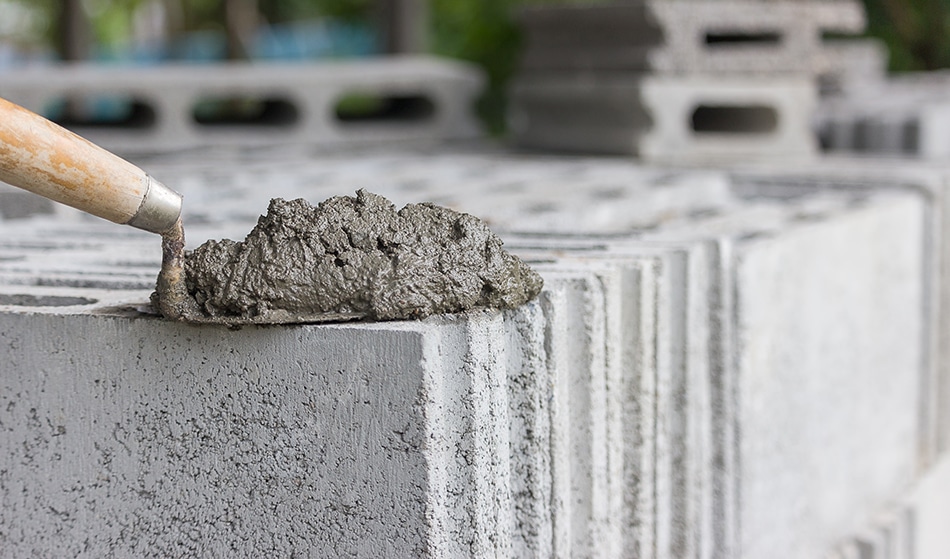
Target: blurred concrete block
(665,118)
(890,535)
(931,509)
(334,103)
(685,36)
(795,371)
(906,115)
(850,64)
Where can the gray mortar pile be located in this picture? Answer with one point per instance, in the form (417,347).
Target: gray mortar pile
(360,258)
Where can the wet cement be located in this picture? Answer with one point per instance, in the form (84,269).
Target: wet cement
(349,257)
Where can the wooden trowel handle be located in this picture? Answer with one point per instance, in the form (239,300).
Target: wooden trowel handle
(42,157)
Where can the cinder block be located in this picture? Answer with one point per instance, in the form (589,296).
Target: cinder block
(579,463)
(410,99)
(792,366)
(672,467)
(900,457)
(665,118)
(603,437)
(888,535)
(704,303)
(851,64)
(905,115)
(530,386)
(135,437)
(685,36)
(931,509)
(930,179)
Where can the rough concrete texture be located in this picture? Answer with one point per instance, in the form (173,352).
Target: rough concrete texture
(662,390)
(357,257)
(379,440)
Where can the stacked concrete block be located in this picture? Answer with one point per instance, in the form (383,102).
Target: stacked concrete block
(675,80)
(679,37)
(847,65)
(931,178)
(716,368)
(417,99)
(899,116)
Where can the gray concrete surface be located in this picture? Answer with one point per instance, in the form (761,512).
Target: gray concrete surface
(123,441)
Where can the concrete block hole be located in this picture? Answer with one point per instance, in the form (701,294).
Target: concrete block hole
(355,107)
(734,119)
(716,39)
(102,112)
(26,300)
(245,111)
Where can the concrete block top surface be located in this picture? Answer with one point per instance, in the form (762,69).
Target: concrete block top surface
(54,259)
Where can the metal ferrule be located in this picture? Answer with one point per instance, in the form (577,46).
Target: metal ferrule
(160,208)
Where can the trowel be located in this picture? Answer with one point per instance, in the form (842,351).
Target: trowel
(46,159)
(382,265)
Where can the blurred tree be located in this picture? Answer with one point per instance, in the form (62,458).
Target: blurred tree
(916,32)
(483,32)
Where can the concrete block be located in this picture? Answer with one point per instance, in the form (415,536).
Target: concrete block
(684,37)
(530,386)
(410,98)
(681,358)
(890,534)
(669,457)
(904,115)
(931,509)
(850,64)
(607,445)
(899,459)
(133,440)
(789,362)
(930,179)
(578,422)
(665,118)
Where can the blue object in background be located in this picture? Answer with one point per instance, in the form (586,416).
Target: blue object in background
(317,39)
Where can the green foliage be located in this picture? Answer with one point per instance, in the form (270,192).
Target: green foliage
(917,32)
(483,32)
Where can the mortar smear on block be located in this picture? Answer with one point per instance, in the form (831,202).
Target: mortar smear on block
(355,258)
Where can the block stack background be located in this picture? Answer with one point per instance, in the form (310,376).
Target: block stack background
(675,80)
